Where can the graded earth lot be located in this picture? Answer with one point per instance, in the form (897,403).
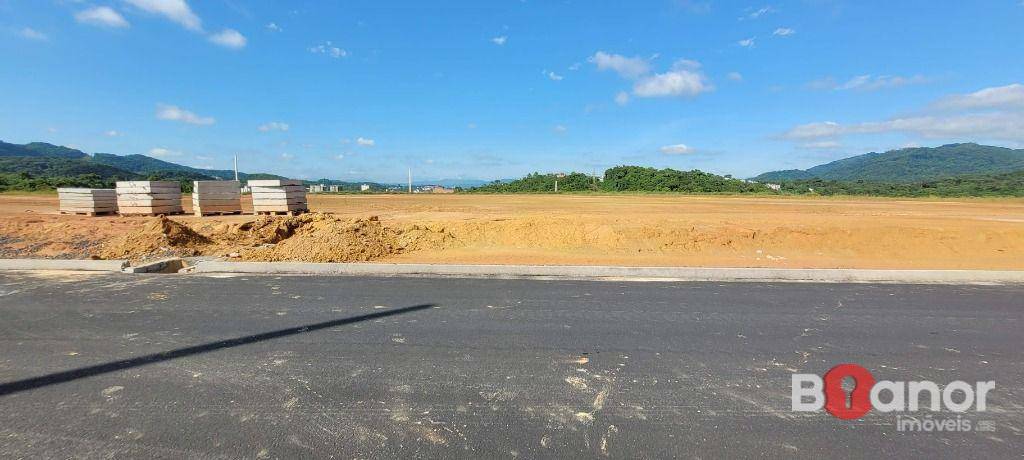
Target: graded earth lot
(637,230)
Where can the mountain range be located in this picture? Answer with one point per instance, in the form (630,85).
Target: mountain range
(48,160)
(902,166)
(911,165)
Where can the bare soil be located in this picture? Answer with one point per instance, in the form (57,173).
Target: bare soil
(636,230)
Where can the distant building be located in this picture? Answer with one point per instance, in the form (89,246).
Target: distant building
(364,188)
(775,187)
(334,189)
(441,189)
(316,188)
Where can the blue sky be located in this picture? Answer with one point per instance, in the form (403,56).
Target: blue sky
(499,88)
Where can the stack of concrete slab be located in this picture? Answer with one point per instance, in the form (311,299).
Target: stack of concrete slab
(148,197)
(216,197)
(278,196)
(87,201)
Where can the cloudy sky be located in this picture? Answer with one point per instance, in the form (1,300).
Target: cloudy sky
(498,88)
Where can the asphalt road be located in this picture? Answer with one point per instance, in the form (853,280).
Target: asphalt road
(171,366)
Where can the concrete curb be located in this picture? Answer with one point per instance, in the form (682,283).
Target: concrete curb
(623,273)
(169,265)
(63,264)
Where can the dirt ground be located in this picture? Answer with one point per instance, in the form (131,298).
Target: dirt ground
(642,230)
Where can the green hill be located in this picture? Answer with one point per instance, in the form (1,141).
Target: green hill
(39,166)
(39,149)
(911,165)
(142,164)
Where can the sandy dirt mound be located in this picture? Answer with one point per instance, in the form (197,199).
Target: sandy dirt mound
(320,238)
(159,237)
(313,237)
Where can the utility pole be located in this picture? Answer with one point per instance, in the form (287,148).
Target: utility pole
(410,180)
(236,167)
(556,185)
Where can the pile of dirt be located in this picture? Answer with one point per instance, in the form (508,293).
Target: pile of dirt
(320,237)
(312,237)
(158,237)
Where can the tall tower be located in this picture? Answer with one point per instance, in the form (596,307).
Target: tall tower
(410,180)
(236,167)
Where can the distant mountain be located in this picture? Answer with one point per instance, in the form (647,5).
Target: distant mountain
(39,149)
(911,165)
(39,159)
(61,167)
(142,164)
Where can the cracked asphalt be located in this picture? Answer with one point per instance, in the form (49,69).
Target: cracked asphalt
(171,366)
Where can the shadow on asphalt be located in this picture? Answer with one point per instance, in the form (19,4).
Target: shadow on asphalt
(114,366)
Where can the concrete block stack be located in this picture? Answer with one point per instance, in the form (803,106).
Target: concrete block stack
(278,196)
(148,198)
(216,197)
(87,201)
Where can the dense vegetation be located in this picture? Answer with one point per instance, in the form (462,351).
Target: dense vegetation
(639,179)
(540,183)
(1005,184)
(917,164)
(626,179)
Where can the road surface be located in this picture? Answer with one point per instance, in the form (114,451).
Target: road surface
(168,366)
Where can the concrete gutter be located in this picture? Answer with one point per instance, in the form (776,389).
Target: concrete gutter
(622,273)
(63,264)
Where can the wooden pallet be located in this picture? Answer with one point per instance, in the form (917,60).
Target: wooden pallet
(280,213)
(153,214)
(217,213)
(87,213)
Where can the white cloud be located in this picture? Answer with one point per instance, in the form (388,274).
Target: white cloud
(329,49)
(734,76)
(174,10)
(867,82)
(287,156)
(273,126)
(560,129)
(672,83)
(175,113)
(627,67)
(470,125)
(687,64)
(999,125)
(820,145)
(160,152)
(622,98)
(676,149)
(783,32)
(229,38)
(500,41)
(103,16)
(575,66)
(365,142)
(746,43)
(273,27)
(113,133)
(32,34)
(553,76)
(814,130)
(758,13)
(1009,96)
